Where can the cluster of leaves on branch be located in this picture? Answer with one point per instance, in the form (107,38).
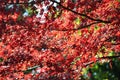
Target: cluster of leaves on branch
(56,39)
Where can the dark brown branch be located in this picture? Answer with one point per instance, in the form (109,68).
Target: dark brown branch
(99,20)
(80,27)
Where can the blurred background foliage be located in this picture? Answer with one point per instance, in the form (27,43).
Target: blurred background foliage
(108,70)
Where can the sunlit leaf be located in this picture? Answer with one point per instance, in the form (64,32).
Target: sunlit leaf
(57,14)
(113,41)
(112,53)
(79,32)
(77,21)
(84,71)
(100,55)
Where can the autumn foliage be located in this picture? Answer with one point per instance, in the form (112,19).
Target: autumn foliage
(55,39)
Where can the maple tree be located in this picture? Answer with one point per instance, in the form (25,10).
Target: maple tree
(56,39)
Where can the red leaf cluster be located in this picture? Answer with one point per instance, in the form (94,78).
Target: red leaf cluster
(60,40)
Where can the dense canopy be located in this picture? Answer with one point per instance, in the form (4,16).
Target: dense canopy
(57,39)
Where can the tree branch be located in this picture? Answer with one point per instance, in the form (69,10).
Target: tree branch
(99,20)
(107,57)
(33,2)
(80,27)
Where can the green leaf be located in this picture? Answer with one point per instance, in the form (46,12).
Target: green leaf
(57,13)
(19,18)
(84,71)
(100,55)
(29,10)
(79,32)
(29,70)
(96,28)
(74,62)
(104,48)
(111,53)
(78,58)
(96,66)
(83,17)
(77,21)
(118,0)
(1,59)
(113,41)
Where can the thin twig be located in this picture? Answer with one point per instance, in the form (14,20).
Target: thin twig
(106,57)
(75,29)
